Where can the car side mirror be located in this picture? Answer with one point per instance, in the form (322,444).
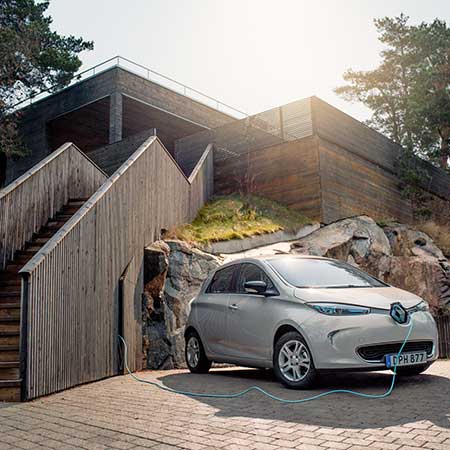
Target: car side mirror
(255,287)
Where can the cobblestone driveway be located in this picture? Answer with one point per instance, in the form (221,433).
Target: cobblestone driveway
(120,413)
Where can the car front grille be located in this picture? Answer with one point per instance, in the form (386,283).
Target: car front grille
(377,352)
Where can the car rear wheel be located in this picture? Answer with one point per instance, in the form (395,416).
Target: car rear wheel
(196,359)
(412,370)
(292,362)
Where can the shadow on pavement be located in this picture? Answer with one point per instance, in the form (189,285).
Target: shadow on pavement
(422,397)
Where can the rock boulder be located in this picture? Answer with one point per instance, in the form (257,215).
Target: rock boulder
(175,272)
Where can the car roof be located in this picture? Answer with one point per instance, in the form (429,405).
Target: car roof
(271,258)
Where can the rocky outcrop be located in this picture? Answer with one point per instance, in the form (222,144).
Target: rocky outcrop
(418,265)
(173,274)
(397,254)
(351,239)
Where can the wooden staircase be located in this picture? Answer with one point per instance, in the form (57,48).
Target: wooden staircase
(10,293)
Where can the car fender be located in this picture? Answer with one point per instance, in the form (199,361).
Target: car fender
(297,327)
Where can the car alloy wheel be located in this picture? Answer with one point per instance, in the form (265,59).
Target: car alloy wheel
(294,361)
(195,355)
(193,351)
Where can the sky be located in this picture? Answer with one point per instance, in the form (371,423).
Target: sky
(251,54)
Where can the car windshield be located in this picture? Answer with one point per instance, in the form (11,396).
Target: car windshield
(322,273)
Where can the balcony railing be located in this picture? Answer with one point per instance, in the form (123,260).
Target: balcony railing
(145,72)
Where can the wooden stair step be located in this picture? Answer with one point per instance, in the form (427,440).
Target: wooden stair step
(78,201)
(9,314)
(9,347)
(11,290)
(12,282)
(10,373)
(9,327)
(33,247)
(10,390)
(14,267)
(44,235)
(7,319)
(9,364)
(9,297)
(10,339)
(9,275)
(9,355)
(9,370)
(53,226)
(41,240)
(70,209)
(63,217)
(26,252)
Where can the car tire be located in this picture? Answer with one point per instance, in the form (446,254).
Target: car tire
(296,371)
(412,370)
(194,353)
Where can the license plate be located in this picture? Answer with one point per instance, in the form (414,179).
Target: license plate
(406,359)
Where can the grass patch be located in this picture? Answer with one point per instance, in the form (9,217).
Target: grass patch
(440,234)
(236,217)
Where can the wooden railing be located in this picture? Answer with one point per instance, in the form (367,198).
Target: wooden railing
(72,285)
(28,202)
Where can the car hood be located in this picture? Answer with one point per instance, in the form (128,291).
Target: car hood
(372,297)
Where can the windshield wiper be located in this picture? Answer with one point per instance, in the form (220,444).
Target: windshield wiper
(343,286)
(336,286)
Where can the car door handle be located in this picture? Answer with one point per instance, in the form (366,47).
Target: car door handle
(233,306)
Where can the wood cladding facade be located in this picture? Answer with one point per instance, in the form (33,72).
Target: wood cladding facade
(328,165)
(287,173)
(71,286)
(352,185)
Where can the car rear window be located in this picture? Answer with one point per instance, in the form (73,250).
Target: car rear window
(222,281)
(322,273)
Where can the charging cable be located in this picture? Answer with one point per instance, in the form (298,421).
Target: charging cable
(268,394)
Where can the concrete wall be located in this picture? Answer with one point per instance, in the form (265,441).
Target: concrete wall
(110,84)
(110,157)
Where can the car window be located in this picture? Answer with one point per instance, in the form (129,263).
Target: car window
(222,281)
(322,273)
(251,272)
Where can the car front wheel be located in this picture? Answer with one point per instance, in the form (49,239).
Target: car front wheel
(293,363)
(196,359)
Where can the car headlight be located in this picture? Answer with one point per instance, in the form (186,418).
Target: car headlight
(422,306)
(339,309)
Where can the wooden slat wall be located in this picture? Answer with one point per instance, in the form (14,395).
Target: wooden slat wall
(286,123)
(287,173)
(132,324)
(352,185)
(71,285)
(443,324)
(28,202)
(339,128)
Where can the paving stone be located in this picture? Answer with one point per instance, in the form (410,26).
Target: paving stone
(119,413)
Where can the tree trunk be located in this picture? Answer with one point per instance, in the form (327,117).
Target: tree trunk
(445,151)
(3,160)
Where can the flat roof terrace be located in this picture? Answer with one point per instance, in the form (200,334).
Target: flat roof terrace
(111,105)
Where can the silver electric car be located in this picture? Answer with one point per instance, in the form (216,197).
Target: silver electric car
(302,315)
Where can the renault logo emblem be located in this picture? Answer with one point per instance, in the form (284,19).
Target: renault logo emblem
(399,313)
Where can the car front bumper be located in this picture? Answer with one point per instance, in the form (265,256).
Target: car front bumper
(334,341)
